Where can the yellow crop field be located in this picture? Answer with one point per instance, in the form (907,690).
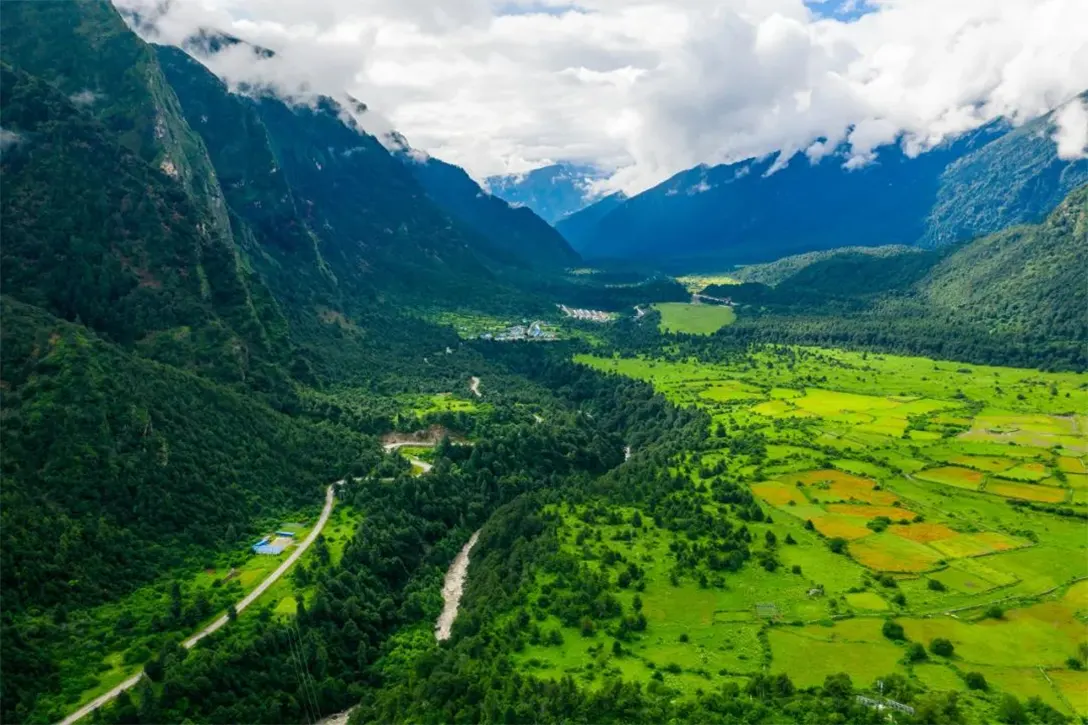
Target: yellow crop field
(847,527)
(1026,491)
(1069,464)
(829,485)
(871,512)
(952,476)
(924,532)
(886,552)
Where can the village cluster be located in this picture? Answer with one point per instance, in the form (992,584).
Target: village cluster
(587,315)
(535,331)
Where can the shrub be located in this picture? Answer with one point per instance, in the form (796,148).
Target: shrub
(976,681)
(995,612)
(916,652)
(936,586)
(892,630)
(941,646)
(880,523)
(837,545)
(1009,710)
(887,580)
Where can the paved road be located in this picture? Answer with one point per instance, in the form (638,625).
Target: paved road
(330,497)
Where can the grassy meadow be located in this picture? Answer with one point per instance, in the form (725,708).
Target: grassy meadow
(935,496)
(694,319)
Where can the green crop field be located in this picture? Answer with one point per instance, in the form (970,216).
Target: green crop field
(896,487)
(694,319)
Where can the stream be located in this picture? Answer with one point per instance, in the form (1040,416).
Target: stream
(452,589)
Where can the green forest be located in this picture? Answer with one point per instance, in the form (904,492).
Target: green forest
(266,378)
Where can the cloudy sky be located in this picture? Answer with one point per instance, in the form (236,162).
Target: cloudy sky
(648,88)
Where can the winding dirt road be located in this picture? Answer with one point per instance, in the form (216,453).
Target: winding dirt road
(330,498)
(474,386)
(423,465)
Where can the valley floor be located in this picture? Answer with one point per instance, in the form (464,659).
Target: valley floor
(948,500)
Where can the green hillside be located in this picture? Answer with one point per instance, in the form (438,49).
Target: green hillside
(1023,279)
(1012,297)
(228,313)
(773,273)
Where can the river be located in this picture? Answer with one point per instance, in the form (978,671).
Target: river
(452,589)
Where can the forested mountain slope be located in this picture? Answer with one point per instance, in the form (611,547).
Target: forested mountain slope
(1028,278)
(1019,296)
(94,233)
(580,224)
(1016,179)
(516,233)
(117,468)
(753,211)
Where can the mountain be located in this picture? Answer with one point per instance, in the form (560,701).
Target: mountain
(109,220)
(755,211)
(578,225)
(178,263)
(554,192)
(1016,179)
(184,270)
(515,233)
(1023,279)
(1021,294)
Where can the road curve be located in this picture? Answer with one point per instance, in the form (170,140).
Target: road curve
(474,386)
(387,447)
(330,497)
(424,467)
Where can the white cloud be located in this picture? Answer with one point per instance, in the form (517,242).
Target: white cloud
(1071,130)
(84,98)
(650,88)
(9,138)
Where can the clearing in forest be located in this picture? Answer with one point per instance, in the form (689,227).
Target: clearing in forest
(694,319)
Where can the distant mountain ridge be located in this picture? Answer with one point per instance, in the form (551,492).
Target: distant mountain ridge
(554,192)
(1024,280)
(753,211)
(515,232)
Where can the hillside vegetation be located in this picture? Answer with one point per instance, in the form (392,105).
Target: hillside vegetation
(1031,278)
(218,301)
(1013,297)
